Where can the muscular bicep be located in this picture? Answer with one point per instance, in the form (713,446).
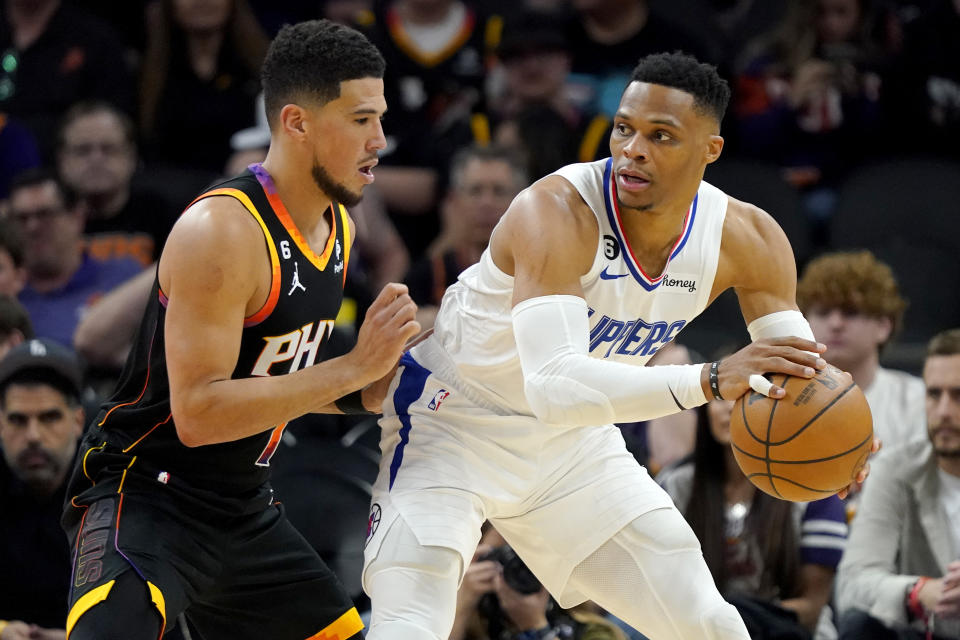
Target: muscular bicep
(209,281)
(757,261)
(545,241)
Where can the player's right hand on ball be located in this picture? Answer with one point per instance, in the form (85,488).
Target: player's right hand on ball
(790,355)
(390,322)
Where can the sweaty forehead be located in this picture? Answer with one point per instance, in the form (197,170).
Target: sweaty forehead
(655,101)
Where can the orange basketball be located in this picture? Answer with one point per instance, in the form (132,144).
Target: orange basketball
(807,445)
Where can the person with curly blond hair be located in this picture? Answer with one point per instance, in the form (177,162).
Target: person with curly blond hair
(854,306)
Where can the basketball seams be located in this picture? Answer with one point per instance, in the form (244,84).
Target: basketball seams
(768,444)
(806,461)
(817,415)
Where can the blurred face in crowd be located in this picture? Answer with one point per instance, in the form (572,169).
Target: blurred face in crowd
(837,20)
(537,75)
(347,136)
(39,431)
(51,231)
(660,145)
(941,374)
(12,278)
(202,15)
(851,337)
(96,157)
(485,190)
(718,417)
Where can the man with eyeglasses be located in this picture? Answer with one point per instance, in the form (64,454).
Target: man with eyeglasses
(63,279)
(483,182)
(97,158)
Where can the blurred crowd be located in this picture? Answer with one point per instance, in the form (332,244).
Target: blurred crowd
(844,125)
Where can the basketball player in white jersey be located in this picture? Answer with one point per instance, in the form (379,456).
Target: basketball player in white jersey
(505,412)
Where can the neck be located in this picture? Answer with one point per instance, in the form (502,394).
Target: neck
(615,22)
(304,200)
(29,19)
(652,232)
(107,204)
(47,280)
(863,372)
(423,15)
(949,464)
(203,48)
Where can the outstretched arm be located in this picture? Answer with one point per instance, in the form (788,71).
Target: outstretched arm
(547,241)
(215,272)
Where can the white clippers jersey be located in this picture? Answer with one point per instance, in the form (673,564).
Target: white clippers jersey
(631,314)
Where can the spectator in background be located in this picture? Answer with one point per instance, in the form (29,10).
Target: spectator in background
(55,54)
(62,278)
(607,37)
(18,152)
(96,159)
(437,53)
(924,84)
(535,114)
(807,95)
(853,305)
(41,420)
(774,560)
(15,325)
(483,182)
(199,81)
(900,575)
(13,273)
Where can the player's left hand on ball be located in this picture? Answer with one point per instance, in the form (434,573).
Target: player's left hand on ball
(857,485)
(790,355)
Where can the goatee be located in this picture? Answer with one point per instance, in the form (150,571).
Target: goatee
(332,188)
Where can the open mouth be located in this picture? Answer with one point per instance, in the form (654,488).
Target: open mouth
(367,172)
(632,182)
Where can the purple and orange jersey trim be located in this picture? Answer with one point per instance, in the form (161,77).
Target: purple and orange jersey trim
(270,190)
(261,314)
(347,239)
(616,224)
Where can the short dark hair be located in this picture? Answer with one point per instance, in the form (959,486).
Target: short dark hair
(88,107)
(490,153)
(14,317)
(38,176)
(311,59)
(945,343)
(679,70)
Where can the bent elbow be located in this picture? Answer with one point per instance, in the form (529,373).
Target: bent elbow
(186,424)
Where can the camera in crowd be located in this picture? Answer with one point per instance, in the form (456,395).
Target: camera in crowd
(515,573)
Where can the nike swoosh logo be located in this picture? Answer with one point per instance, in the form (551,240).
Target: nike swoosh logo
(611,276)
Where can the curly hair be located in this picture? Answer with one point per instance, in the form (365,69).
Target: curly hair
(711,93)
(854,281)
(311,59)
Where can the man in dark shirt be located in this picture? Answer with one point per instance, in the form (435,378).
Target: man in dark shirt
(40,421)
(54,54)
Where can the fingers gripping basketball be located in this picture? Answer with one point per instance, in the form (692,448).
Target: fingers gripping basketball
(807,445)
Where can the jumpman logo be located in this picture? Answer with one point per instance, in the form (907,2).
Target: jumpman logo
(296,280)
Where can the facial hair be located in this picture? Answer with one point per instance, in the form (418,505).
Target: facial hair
(332,188)
(943,452)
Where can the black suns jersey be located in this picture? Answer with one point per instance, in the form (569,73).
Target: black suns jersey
(288,333)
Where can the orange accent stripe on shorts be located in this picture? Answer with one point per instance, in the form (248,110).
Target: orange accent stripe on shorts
(120,489)
(264,311)
(342,628)
(165,421)
(85,458)
(86,602)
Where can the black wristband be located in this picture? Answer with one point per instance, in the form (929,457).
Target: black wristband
(715,379)
(352,404)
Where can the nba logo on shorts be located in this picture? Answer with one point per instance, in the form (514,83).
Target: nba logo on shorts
(439,397)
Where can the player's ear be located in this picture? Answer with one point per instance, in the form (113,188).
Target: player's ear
(714,147)
(292,118)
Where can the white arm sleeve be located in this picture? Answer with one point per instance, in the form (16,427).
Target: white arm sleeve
(565,386)
(780,324)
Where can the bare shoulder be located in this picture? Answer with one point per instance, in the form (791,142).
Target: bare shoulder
(214,235)
(747,227)
(753,248)
(547,214)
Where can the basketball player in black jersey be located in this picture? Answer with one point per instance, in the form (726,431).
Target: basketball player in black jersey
(169,507)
